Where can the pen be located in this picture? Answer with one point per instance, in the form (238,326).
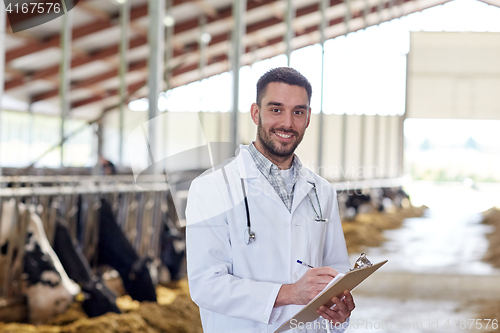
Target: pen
(304,264)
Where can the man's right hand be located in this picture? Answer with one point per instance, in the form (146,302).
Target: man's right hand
(305,289)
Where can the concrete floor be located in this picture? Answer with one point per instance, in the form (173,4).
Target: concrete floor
(438,243)
(384,315)
(434,278)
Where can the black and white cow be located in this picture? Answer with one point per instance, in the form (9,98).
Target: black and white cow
(48,289)
(115,250)
(99,299)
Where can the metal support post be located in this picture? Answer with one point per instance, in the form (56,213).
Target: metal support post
(156,12)
(169,45)
(400,9)
(380,7)
(376,140)
(31,130)
(344,146)
(124,37)
(393,9)
(347,17)
(362,145)
(401,144)
(204,39)
(366,12)
(2,69)
(388,146)
(203,43)
(289,16)
(169,23)
(97,130)
(64,74)
(239,8)
(324,5)
(401,132)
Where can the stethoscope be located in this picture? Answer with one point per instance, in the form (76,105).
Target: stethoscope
(319,217)
(249,235)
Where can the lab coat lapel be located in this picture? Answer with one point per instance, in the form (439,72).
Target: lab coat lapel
(302,187)
(246,166)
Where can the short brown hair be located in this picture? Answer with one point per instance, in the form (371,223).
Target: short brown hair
(286,75)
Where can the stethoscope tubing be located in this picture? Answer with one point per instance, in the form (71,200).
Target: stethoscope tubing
(251,235)
(246,203)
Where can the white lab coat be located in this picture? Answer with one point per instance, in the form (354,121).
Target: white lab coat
(235,284)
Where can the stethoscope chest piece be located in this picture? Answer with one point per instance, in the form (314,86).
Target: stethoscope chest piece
(249,236)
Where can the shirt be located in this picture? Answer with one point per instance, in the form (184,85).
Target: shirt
(288,178)
(272,174)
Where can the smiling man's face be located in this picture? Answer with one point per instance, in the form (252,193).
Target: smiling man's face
(281,119)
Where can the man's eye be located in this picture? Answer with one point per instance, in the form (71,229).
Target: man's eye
(275,110)
(299,112)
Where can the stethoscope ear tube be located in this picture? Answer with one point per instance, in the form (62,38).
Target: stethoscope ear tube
(319,217)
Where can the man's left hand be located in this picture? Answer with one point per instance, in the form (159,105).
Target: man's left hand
(341,311)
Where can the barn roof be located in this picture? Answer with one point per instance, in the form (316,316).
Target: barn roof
(32,57)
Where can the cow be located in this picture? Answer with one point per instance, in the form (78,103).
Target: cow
(115,250)
(47,287)
(98,298)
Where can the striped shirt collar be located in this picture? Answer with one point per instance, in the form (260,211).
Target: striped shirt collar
(265,166)
(274,177)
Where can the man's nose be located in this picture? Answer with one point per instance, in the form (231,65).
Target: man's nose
(288,119)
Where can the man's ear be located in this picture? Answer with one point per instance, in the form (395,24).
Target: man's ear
(308,117)
(254,113)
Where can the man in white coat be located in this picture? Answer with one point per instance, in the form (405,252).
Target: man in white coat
(250,219)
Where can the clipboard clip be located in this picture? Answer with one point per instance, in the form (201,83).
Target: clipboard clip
(362,262)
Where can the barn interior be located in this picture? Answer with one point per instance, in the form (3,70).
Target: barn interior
(110,108)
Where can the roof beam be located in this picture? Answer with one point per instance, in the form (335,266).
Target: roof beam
(76,62)
(101,24)
(112,50)
(54,41)
(97,13)
(109,51)
(138,65)
(208,9)
(223,57)
(182,70)
(79,32)
(130,89)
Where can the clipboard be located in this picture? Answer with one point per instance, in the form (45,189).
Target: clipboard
(348,281)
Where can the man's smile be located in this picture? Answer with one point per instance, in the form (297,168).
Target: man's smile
(285,137)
